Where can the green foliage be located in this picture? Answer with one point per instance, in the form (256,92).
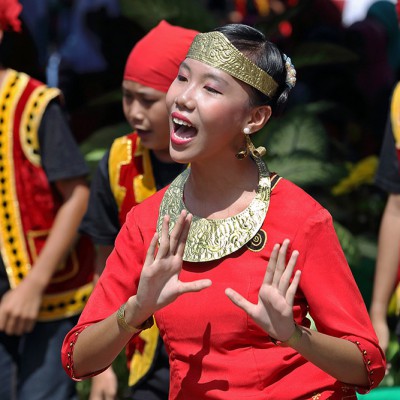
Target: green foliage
(298,132)
(298,148)
(298,145)
(305,170)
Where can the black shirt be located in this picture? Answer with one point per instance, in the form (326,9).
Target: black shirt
(388,173)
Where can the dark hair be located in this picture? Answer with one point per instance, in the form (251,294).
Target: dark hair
(265,55)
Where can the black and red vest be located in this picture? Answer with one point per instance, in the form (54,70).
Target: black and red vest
(131,173)
(28,204)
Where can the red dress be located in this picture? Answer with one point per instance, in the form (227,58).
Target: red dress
(216,351)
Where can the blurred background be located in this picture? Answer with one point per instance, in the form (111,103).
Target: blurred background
(347,57)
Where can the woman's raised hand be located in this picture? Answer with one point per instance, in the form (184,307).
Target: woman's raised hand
(274,310)
(159,283)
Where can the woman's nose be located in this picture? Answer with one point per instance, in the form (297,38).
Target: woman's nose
(185,99)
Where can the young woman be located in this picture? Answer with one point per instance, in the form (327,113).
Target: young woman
(240,256)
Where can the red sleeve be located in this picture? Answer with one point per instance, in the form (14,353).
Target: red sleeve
(117,283)
(335,302)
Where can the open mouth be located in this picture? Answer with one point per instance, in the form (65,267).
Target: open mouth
(183,131)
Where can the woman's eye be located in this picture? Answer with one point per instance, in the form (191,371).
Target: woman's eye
(212,90)
(181,78)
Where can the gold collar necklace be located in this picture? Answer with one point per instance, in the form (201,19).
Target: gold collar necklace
(212,239)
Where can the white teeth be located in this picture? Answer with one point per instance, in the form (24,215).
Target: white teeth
(180,122)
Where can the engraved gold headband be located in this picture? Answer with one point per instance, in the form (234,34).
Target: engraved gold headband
(214,49)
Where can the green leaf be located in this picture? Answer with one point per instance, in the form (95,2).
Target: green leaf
(297,132)
(305,171)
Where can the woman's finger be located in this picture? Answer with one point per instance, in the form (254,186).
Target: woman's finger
(240,301)
(184,234)
(177,232)
(288,273)
(291,292)
(195,286)
(151,251)
(281,263)
(163,248)
(269,273)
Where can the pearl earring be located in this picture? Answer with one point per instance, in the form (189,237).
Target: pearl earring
(246,131)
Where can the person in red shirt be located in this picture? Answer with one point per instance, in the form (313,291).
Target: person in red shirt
(231,259)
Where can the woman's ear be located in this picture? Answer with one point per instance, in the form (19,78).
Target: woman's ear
(259,117)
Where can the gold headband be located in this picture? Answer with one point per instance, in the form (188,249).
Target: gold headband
(214,49)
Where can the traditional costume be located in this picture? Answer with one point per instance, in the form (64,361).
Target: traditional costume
(28,202)
(211,345)
(216,350)
(37,149)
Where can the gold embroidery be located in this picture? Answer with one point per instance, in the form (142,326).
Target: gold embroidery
(30,121)
(258,242)
(211,239)
(12,243)
(214,49)
(144,185)
(120,154)
(64,304)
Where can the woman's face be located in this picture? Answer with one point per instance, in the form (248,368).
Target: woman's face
(146,111)
(208,111)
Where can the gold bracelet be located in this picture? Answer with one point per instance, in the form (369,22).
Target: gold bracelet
(129,328)
(292,341)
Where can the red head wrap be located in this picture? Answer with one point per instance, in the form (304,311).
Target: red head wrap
(9,11)
(155,59)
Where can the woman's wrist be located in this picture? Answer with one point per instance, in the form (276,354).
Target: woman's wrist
(293,339)
(122,322)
